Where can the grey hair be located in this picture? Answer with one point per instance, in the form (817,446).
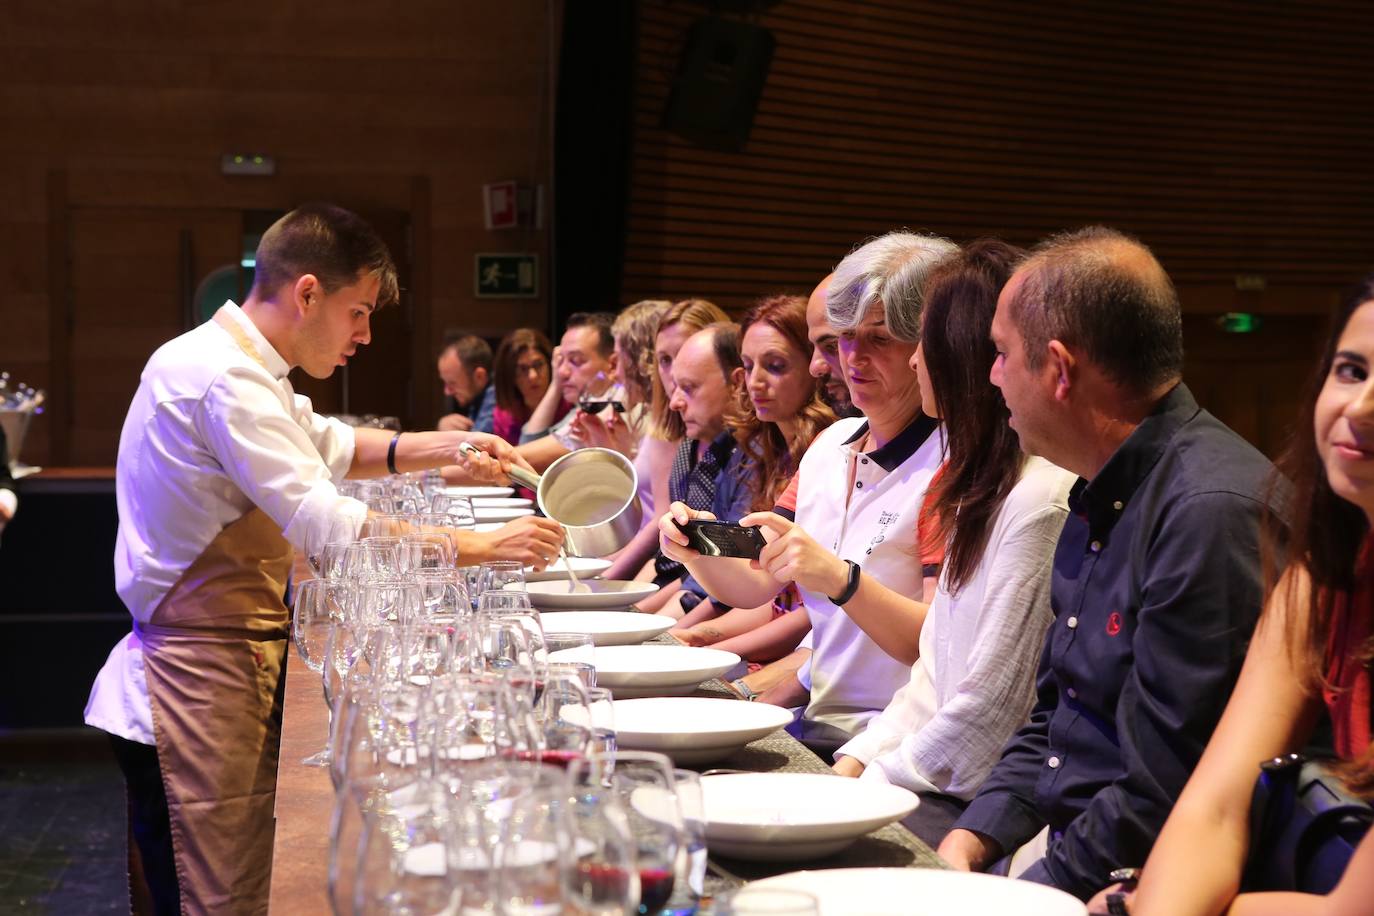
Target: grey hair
(889,270)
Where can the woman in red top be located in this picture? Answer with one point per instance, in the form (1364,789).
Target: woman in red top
(1311,650)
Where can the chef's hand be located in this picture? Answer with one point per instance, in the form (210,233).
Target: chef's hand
(454,422)
(671,540)
(493,466)
(792,555)
(530,541)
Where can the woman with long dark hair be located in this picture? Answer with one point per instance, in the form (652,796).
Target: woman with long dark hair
(998,514)
(1311,650)
(522,372)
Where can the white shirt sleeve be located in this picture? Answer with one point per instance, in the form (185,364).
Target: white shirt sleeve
(333,439)
(247,424)
(911,708)
(954,751)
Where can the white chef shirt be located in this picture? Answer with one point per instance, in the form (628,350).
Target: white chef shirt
(211,434)
(849,676)
(979,648)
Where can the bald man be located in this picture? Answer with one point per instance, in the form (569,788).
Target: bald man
(825,352)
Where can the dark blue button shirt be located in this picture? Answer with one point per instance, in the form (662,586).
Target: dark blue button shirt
(1156,589)
(730,503)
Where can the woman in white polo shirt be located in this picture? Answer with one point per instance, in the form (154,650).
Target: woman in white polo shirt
(999,513)
(859,490)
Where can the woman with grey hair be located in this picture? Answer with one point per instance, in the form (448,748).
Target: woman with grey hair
(846,529)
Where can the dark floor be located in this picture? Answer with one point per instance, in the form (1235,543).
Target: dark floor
(62,830)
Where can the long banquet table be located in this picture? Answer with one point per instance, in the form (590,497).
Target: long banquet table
(305,798)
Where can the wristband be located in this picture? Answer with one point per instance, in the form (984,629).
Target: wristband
(744,690)
(391,454)
(850,587)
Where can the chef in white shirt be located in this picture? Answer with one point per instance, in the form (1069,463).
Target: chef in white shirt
(222,471)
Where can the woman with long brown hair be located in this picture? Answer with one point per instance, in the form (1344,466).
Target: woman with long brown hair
(1311,650)
(780,411)
(522,371)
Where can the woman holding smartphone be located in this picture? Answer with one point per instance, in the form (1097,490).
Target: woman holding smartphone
(1311,650)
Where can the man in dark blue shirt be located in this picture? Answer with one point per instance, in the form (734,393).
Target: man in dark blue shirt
(1157,580)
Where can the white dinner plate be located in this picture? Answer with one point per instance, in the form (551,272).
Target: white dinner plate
(498,514)
(610,628)
(471,492)
(793,816)
(586,567)
(694,730)
(922,892)
(595,595)
(501,502)
(658,671)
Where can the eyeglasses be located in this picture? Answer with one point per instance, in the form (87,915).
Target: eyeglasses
(598,406)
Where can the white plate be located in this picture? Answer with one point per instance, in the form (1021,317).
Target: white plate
(792,816)
(596,595)
(895,892)
(586,567)
(658,671)
(694,730)
(501,502)
(610,628)
(498,514)
(478,491)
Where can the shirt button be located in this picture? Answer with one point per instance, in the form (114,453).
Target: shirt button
(1073,694)
(1095,546)
(1052,763)
(1071,623)
(859,485)
(865,461)
(1118,505)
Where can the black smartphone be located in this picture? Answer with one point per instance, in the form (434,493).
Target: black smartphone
(724,539)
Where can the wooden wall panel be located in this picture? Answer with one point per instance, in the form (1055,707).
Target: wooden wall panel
(1232,139)
(129,107)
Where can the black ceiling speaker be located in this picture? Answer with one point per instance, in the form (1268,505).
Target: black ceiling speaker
(718,83)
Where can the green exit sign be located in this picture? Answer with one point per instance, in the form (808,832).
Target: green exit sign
(506,276)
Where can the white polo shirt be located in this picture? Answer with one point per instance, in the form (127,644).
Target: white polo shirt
(210,434)
(850,678)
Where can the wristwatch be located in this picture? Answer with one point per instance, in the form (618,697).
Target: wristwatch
(743,689)
(1118,901)
(850,587)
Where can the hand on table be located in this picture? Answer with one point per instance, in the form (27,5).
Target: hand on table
(530,541)
(454,422)
(965,850)
(848,766)
(792,555)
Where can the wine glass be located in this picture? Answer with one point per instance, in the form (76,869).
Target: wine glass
(536,843)
(337,530)
(689,886)
(565,719)
(601,715)
(425,551)
(571,648)
(402,855)
(600,876)
(311,626)
(496,575)
(645,783)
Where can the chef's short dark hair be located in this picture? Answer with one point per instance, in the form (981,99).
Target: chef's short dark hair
(334,244)
(601,323)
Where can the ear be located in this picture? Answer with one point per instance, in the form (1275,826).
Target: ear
(611,360)
(306,293)
(1061,367)
(737,377)
(480,376)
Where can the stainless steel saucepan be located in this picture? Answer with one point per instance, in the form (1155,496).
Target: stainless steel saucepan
(593,493)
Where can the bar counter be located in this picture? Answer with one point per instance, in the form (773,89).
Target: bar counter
(305,798)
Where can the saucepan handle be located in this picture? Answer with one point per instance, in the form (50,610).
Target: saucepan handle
(518,474)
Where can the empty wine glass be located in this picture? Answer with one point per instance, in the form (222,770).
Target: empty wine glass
(311,626)
(337,530)
(689,886)
(402,855)
(496,575)
(601,715)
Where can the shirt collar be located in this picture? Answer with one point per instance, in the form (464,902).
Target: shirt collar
(271,359)
(902,446)
(1102,498)
(719,450)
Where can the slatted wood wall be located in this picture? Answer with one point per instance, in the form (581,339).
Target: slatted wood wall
(1234,138)
(116,115)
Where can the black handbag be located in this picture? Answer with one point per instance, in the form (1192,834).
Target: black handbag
(1304,827)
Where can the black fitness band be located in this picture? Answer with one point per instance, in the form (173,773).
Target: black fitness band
(391,454)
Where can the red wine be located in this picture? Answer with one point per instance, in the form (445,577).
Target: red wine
(561,759)
(606,882)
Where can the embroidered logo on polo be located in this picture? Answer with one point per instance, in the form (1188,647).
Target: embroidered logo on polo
(1113,623)
(885,520)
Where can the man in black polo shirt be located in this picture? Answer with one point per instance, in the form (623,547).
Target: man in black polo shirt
(1156,582)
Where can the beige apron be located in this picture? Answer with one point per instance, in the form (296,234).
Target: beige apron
(213,653)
